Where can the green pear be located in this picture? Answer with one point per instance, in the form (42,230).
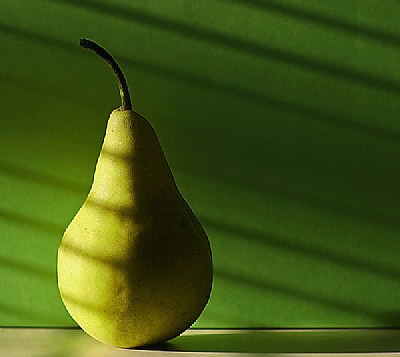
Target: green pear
(134,265)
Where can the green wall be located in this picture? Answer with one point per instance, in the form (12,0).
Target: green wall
(280,120)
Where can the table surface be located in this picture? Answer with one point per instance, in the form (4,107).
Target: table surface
(50,342)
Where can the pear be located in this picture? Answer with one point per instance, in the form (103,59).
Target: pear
(134,265)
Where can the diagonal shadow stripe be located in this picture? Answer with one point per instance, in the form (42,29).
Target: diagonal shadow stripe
(383,317)
(26,268)
(324,20)
(38,177)
(266,186)
(309,250)
(21,219)
(26,314)
(236,43)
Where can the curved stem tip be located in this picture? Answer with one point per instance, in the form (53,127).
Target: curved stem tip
(123,87)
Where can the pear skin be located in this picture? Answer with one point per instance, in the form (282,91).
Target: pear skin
(134,265)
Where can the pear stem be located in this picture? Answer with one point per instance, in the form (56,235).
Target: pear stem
(123,86)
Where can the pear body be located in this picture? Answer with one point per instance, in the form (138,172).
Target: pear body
(134,265)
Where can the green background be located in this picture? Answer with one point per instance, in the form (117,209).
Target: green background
(280,121)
